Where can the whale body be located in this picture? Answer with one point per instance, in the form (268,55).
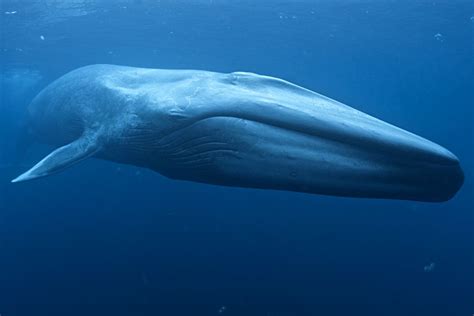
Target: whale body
(236,129)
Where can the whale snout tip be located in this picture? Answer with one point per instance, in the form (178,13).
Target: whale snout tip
(453,179)
(447,178)
(435,173)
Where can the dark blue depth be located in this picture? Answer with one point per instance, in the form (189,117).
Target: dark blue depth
(107,239)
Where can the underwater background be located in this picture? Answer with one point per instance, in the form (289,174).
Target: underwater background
(109,239)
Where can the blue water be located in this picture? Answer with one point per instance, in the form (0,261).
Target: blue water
(108,239)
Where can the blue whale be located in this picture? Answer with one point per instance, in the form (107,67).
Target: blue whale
(237,129)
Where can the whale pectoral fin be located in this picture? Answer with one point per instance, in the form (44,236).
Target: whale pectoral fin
(60,159)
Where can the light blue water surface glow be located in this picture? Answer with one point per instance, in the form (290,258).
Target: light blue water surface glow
(107,239)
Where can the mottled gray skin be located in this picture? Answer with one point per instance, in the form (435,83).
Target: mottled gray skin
(237,129)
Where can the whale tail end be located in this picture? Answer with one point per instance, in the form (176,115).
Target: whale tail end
(61,159)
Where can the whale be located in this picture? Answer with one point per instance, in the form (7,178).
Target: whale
(235,129)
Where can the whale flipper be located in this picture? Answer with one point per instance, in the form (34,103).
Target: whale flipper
(62,158)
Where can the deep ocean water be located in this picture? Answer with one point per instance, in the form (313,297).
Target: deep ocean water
(109,239)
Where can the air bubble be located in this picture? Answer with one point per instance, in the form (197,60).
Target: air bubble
(429,268)
(439,37)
